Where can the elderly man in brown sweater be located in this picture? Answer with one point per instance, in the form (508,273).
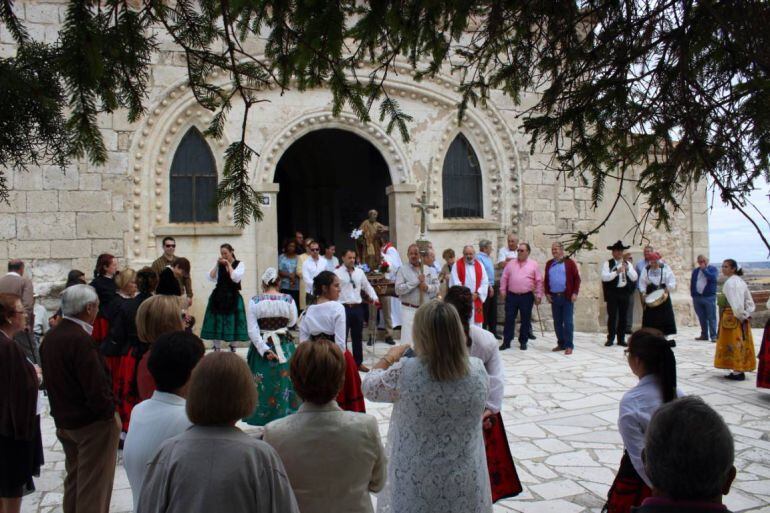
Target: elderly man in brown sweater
(82,406)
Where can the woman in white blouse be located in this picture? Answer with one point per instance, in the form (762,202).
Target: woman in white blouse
(269,316)
(326,320)
(651,359)
(658,276)
(735,344)
(437,460)
(483,345)
(225,318)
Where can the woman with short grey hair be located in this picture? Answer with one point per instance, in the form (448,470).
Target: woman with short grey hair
(441,390)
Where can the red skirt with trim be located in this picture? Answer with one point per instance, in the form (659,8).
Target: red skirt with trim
(101,329)
(503,477)
(350,397)
(628,490)
(763,370)
(124,390)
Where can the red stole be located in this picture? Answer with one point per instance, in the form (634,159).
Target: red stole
(478,306)
(386,247)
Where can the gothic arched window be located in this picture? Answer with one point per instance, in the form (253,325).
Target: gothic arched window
(193,181)
(462,181)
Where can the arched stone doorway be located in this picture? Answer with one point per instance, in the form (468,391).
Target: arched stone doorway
(328,180)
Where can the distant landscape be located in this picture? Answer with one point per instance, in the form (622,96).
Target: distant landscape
(756,265)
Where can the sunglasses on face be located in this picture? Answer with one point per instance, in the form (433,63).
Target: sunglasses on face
(314,250)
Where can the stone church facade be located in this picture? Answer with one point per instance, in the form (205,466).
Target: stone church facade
(58,220)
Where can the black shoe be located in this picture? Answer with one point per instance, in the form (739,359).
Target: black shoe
(498,337)
(702,337)
(736,376)
(623,344)
(370,343)
(504,347)
(390,341)
(523,347)
(672,343)
(232,349)
(608,343)
(532,336)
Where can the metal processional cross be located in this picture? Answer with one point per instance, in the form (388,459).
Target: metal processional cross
(423,206)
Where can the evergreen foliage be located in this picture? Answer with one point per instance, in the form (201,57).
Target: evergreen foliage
(661,95)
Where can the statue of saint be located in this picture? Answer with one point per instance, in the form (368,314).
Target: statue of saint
(371,230)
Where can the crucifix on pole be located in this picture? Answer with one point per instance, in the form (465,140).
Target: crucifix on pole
(423,206)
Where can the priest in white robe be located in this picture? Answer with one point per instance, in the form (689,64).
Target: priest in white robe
(391,306)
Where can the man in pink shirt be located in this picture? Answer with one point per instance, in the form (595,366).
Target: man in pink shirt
(521,286)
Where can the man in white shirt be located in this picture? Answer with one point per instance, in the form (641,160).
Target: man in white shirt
(352,282)
(391,306)
(332,262)
(508,253)
(618,281)
(415,284)
(312,268)
(163,416)
(470,273)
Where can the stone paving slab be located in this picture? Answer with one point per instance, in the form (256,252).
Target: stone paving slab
(560,413)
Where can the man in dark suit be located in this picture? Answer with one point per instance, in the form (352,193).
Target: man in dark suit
(15,282)
(80,393)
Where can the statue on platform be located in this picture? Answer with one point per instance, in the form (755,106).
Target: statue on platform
(371,231)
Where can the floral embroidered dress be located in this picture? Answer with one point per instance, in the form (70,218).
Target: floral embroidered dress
(268,317)
(735,344)
(437,459)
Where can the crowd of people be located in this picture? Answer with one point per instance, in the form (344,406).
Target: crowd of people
(123,370)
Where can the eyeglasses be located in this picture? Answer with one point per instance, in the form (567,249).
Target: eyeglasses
(170,245)
(316,250)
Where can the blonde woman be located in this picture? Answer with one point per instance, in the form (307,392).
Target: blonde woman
(116,347)
(437,459)
(155,316)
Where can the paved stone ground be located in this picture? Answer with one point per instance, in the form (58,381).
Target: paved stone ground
(561,417)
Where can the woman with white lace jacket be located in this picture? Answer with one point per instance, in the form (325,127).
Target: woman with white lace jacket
(440,391)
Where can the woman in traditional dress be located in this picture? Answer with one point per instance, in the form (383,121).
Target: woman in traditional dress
(735,344)
(326,320)
(658,276)
(483,345)
(437,460)
(268,316)
(287,270)
(117,344)
(225,317)
(124,336)
(21,446)
(104,283)
(651,359)
(763,373)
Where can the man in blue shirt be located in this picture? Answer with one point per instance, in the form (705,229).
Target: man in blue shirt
(490,305)
(703,289)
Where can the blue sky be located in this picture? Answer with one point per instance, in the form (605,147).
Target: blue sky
(732,236)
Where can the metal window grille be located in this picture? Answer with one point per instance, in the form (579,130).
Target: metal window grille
(462,181)
(193,181)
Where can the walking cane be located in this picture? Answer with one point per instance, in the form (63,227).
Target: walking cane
(540,318)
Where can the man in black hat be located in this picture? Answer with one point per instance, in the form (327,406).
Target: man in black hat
(618,281)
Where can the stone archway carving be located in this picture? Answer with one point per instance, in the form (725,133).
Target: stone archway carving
(155,141)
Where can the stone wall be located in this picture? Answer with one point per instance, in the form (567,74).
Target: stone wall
(62,219)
